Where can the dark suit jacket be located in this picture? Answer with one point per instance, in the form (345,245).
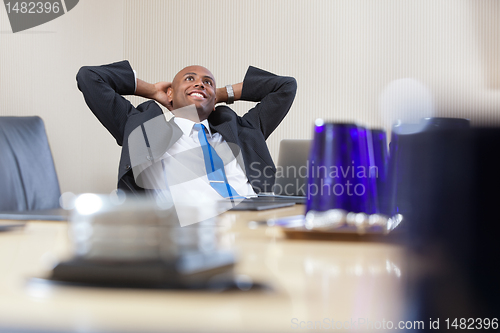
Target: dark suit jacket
(103,87)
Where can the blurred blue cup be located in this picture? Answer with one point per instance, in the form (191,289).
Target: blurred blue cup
(381,161)
(343,169)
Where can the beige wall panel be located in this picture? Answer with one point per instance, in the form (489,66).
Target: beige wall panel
(37,77)
(342,53)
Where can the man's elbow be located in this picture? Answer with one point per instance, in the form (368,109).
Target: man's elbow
(291,86)
(84,76)
(292,82)
(83,73)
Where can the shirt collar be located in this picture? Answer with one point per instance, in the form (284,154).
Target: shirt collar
(186,125)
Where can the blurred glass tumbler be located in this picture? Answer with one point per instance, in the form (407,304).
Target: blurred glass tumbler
(344,166)
(381,159)
(401,163)
(136,230)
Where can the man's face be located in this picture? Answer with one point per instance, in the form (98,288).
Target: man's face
(193,85)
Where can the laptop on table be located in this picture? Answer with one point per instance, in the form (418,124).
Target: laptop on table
(290,185)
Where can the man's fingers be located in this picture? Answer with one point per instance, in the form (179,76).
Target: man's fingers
(166,85)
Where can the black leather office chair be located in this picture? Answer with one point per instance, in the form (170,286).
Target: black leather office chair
(28,179)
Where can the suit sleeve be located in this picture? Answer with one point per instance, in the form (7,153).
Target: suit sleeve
(102,88)
(275,95)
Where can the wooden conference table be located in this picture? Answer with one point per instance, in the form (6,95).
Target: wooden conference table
(310,282)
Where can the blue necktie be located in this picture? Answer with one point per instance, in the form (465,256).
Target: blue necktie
(215,167)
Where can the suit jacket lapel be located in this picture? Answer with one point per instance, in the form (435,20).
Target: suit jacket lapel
(227,131)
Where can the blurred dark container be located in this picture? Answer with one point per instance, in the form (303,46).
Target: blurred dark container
(449,187)
(397,189)
(436,123)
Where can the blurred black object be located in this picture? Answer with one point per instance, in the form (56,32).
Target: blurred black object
(57,214)
(401,152)
(437,123)
(188,271)
(448,188)
(8,226)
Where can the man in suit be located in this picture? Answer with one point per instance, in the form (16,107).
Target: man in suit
(147,137)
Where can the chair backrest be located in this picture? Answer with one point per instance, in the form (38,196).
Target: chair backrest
(28,179)
(292,167)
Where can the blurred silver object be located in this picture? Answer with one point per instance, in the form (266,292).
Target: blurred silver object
(336,218)
(136,229)
(331,218)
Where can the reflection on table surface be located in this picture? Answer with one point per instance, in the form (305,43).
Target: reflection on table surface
(307,280)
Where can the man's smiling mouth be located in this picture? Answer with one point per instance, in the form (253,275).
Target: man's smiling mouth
(197,94)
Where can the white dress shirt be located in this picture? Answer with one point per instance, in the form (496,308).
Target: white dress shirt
(180,175)
(183,167)
(186,155)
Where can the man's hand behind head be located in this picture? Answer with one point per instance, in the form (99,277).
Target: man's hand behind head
(157,91)
(161,94)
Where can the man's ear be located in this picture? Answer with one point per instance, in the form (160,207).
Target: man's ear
(170,98)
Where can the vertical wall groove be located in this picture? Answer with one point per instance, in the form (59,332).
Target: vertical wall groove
(343,54)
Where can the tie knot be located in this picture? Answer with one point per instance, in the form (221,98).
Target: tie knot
(199,127)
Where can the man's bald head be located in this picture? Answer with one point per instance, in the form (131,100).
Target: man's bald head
(193,85)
